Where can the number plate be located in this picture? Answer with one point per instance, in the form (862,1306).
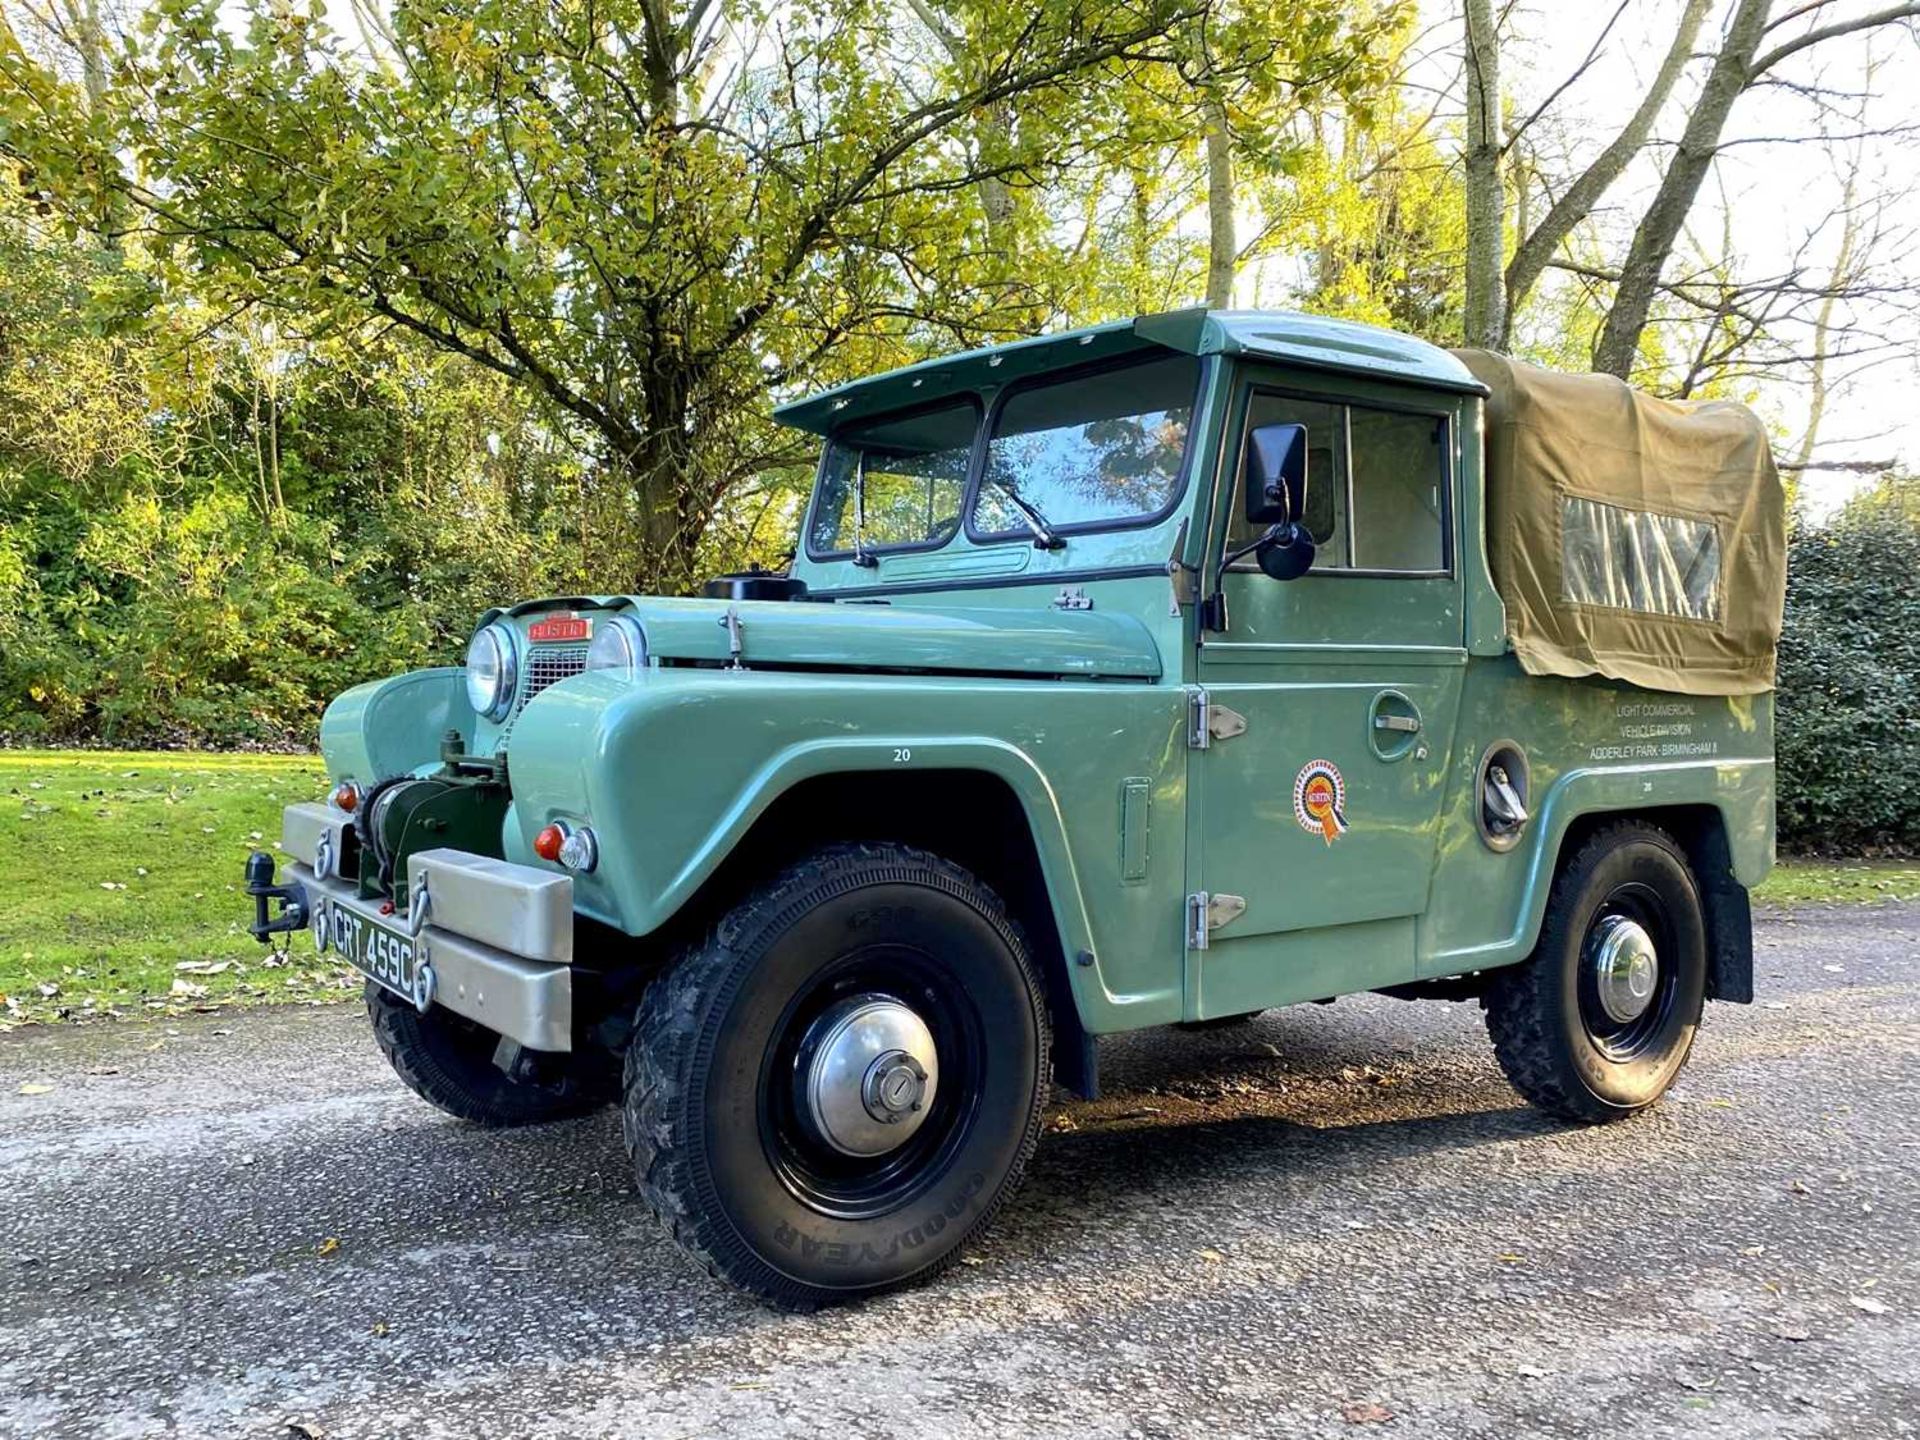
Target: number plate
(385,955)
(560,627)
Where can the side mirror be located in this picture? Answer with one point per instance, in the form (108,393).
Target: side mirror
(1276,469)
(1286,551)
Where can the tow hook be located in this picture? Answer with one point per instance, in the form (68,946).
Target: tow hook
(295,914)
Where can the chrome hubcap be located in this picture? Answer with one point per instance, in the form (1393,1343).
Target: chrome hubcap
(871,1076)
(1626,970)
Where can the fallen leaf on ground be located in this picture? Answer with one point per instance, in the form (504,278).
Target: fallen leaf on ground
(1871,1306)
(1365,1412)
(1211,1255)
(327,1246)
(31,1088)
(1532,1372)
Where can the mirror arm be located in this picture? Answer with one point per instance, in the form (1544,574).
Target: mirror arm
(1213,614)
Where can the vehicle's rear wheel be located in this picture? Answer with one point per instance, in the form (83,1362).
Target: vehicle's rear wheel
(448,1061)
(839,1086)
(1596,1024)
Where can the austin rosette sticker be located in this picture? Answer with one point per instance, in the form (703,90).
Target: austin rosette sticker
(1320,800)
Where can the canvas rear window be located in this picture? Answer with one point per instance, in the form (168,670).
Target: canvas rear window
(1636,560)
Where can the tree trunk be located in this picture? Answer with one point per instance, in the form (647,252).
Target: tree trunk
(992,137)
(1223,252)
(1537,246)
(1484,320)
(1619,342)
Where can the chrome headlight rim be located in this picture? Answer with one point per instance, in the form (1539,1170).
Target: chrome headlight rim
(493,699)
(619,645)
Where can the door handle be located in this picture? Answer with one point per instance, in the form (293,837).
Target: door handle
(1393,726)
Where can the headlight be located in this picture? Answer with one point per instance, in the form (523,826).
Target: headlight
(619,644)
(490,671)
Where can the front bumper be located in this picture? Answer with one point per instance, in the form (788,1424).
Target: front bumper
(496,938)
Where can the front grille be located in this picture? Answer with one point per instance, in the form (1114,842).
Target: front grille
(546,664)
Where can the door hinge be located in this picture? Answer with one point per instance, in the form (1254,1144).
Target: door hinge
(1207,913)
(1208,721)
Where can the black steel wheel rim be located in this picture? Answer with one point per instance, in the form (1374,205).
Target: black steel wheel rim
(1622,1041)
(846,1187)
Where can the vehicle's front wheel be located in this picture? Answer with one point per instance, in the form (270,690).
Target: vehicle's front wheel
(1597,1023)
(838,1087)
(448,1061)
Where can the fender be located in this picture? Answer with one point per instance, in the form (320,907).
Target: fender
(593,750)
(877,755)
(394,726)
(1741,790)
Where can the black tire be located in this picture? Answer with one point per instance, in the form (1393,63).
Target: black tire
(715,1121)
(1551,1030)
(447,1060)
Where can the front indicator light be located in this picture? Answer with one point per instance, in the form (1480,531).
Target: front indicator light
(564,844)
(346,796)
(580,852)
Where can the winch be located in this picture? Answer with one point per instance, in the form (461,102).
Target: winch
(461,806)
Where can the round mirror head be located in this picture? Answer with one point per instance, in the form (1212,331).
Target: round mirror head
(1289,553)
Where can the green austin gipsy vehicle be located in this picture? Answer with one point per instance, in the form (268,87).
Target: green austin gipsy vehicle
(1153,673)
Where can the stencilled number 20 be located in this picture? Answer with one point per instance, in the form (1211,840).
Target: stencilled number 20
(902,756)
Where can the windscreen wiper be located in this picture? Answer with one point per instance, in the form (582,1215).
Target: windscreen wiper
(1043,536)
(862,557)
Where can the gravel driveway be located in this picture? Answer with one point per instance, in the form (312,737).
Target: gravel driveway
(1337,1220)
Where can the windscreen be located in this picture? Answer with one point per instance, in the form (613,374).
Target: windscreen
(895,483)
(1104,447)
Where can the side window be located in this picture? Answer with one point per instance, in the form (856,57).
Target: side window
(1399,472)
(1376,489)
(1326,517)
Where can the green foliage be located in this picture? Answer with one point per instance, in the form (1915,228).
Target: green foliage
(203,543)
(650,217)
(1848,713)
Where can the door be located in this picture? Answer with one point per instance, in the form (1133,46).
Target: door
(1332,700)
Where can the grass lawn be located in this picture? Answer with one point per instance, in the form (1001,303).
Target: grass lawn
(121,878)
(121,874)
(1839,882)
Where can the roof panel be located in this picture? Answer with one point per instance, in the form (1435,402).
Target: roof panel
(1286,336)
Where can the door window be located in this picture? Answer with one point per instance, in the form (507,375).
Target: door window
(1376,486)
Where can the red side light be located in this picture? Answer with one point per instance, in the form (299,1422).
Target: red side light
(347,796)
(548,842)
